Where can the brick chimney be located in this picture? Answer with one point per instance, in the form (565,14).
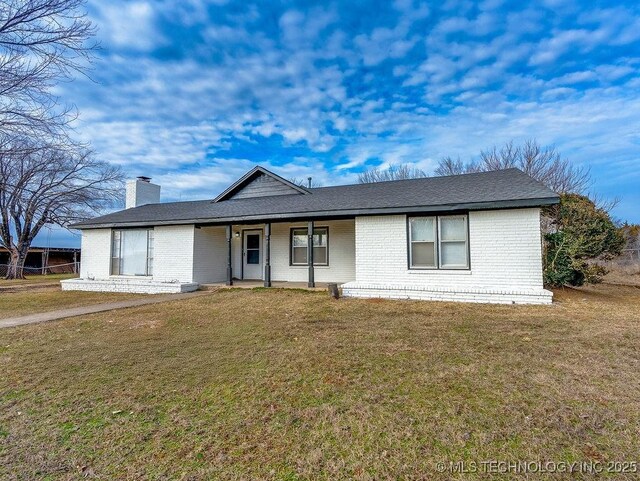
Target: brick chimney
(141,191)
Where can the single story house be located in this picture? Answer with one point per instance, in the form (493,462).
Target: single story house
(473,237)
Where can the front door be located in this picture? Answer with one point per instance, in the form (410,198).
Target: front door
(252,254)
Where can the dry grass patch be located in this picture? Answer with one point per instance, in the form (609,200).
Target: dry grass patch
(30,301)
(282,384)
(623,271)
(36,279)
(627,277)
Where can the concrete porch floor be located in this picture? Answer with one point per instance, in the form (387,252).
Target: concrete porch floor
(250,284)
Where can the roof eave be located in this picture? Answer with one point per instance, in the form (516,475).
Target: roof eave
(471,206)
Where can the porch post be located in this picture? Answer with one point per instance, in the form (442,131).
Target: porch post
(267,254)
(312,282)
(229,269)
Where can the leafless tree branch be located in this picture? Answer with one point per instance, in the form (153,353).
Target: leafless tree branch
(45,177)
(42,42)
(394,172)
(544,164)
(450,166)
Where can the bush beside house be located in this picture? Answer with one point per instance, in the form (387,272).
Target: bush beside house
(581,236)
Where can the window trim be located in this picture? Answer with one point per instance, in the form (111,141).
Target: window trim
(306,263)
(115,232)
(111,257)
(151,248)
(466,241)
(438,266)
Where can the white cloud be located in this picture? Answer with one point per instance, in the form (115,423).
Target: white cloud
(576,77)
(384,43)
(130,25)
(550,49)
(471,80)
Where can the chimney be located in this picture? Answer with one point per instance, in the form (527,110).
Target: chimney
(141,191)
(309,181)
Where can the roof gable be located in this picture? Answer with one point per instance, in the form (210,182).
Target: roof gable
(259,182)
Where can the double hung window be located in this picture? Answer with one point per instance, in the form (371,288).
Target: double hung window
(439,242)
(299,246)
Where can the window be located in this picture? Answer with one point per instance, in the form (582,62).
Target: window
(453,242)
(423,242)
(132,252)
(253,248)
(438,242)
(299,243)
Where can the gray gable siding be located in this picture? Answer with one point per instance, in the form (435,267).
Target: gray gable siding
(263,186)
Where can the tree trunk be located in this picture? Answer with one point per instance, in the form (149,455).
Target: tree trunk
(16,263)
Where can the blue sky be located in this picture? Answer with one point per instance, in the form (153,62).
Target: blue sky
(194,93)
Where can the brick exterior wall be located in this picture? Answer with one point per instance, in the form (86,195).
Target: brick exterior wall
(505,258)
(173,253)
(96,254)
(128,285)
(368,254)
(173,266)
(140,193)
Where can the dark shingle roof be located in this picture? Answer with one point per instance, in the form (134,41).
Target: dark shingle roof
(477,191)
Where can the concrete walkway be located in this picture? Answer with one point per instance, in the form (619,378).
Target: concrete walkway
(91,309)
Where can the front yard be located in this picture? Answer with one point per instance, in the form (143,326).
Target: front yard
(275,384)
(27,301)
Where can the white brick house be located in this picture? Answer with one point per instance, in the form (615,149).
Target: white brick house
(472,237)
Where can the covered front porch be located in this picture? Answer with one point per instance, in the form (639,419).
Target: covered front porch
(275,254)
(249,284)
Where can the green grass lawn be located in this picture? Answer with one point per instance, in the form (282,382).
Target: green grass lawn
(291,385)
(36,279)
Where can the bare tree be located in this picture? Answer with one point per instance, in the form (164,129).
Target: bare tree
(42,42)
(46,184)
(394,172)
(542,163)
(45,177)
(450,166)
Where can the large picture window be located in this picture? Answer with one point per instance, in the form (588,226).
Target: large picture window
(439,242)
(299,242)
(132,252)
